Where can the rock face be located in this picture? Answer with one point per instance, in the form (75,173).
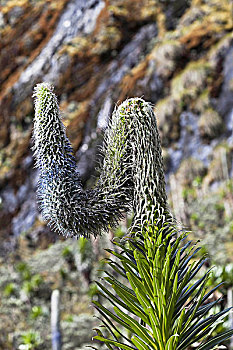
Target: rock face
(97,53)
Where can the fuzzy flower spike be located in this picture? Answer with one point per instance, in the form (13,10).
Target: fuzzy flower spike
(131,177)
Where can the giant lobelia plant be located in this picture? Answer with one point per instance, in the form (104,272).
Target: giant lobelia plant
(159,300)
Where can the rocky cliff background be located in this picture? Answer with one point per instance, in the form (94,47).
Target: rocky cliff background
(176,54)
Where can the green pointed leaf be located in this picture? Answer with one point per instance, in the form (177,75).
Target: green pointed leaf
(165,274)
(144,301)
(203,310)
(172,302)
(135,282)
(179,322)
(198,266)
(122,258)
(175,266)
(189,292)
(116,267)
(100,334)
(211,292)
(139,343)
(216,319)
(143,268)
(156,328)
(216,340)
(194,310)
(112,297)
(113,342)
(138,329)
(111,325)
(171,342)
(112,315)
(189,257)
(132,307)
(190,335)
(113,281)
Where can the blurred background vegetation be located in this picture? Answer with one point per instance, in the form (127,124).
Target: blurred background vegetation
(176,54)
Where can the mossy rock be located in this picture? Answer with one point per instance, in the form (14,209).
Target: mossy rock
(189,170)
(202,103)
(210,124)
(133,10)
(191,81)
(216,235)
(168,112)
(219,50)
(78,46)
(166,56)
(166,159)
(220,165)
(195,13)
(205,23)
(79,331)
(108,38)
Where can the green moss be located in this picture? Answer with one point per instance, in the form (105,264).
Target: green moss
(31,286)
(66,252)
(197,181)
(9,289)
(30,339)
(93,290)
(69,318)
(24,271)
(36,312)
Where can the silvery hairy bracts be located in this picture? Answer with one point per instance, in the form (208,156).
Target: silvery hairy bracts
(131,176)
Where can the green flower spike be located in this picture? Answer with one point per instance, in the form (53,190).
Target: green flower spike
(131,177)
